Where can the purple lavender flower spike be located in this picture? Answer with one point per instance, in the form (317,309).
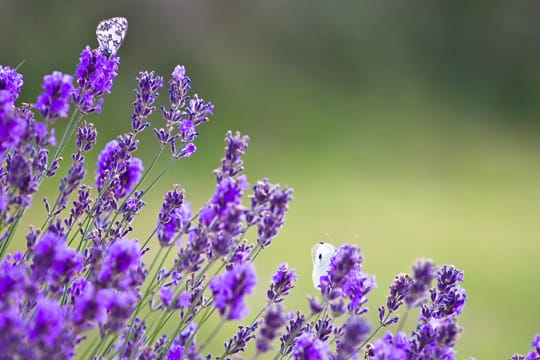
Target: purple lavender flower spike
(13,279)
(121,263)
(230,289)
(308,347)
(107,162)
(293,329)
(55,261)
(80,206)
(54,101)
(228,194)
(174,216)
(11,81)
(86,137)
(120,305)
(239,341)
(232,164)
(12,329)
(19,173)
(315,305)
(94,75)
(7,105)
(348,258)
(179,86)
(423,275)
(351,335)
(283,281)
(47,331)
(146,95)
(181,349)
(184,115)
(272,322)
(199,110)
(449,298)
(356,288)
(389,347)
(324,328)
(398,291)
(114,160)
(437,331)
(178,220)
(89,308)
(269,203)
(130,177)
(240,254)
(12,127)
(436,338)
(132,207)
(222,219)
(345,286)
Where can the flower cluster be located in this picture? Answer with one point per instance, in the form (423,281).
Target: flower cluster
(84,278)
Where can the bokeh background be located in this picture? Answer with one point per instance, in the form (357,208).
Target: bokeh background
(409,128)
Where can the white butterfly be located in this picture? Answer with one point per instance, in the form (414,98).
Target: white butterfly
(321,254)
(110,34)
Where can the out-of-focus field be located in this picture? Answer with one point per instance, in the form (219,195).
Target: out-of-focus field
(416,148)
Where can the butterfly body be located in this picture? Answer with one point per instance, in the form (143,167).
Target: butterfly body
(321,254)
(110,34)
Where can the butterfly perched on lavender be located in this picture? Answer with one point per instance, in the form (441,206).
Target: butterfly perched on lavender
(110,34)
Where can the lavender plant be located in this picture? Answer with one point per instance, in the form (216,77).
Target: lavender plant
(84,282)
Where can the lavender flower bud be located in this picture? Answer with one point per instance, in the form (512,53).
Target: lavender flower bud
(11,81)
(113,160)
(240,339)
(12,127)
(449,298)
(173,217)
(346,260)
(272,322)
(324,328)
(132,207)
(282,282)
(232,164)
(89,307)
(146,94)
(352,333)
(54,101)
(94,75)
(292,331)
(230,289)
(398,347)
(181,349)
(47,326)
(13,278)
(423,275)
(86,137)
(119,268)
(398,290)
(269,205)
(184,114)
(54,260)
(308,347)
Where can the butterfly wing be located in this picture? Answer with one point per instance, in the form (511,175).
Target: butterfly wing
(110,34)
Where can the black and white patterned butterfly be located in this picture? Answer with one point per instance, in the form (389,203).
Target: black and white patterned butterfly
(110,34)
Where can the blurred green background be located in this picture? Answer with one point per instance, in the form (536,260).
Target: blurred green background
(408,128)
